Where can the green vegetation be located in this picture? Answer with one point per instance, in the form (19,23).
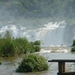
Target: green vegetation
(37,8)
(37,45)
(9,47)
(73,46)
(15,46)
(73,49)
(36,13)
(33,63)
(0,62)
(73,43)
(37,42)
(37,48)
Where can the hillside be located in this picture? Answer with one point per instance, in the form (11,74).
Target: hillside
(37,8)
(36,12)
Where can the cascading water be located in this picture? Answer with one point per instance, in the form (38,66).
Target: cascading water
(50,34)
(54,34)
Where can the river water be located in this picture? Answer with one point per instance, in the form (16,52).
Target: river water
(8,67)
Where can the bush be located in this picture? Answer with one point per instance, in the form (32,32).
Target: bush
(37,42)
(10,46)
(33,63)
(37,45)
(37,48)
(73,49)
(6,45)
(0,62)
(73,43)
(22,45)
(31,47)
(8,49)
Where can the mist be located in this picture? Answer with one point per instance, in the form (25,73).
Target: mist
(21,11)
(30,18)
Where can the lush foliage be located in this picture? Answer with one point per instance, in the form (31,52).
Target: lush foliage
(0,63)
(37,42)
(6,45)
(37,8)
(73,49)
(11,46)
(73,43)
(7,49)
(33,63)
(37,48)
(37,45)
(73,46)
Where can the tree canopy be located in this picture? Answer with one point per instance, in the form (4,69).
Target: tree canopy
(37,8)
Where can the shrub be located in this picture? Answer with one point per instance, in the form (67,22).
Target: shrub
(22,45)
(73,43)
(33,63)
(8,49)
(10,46)
(31,47)
(37,45)
(73,49)
(37,48)
(0,62)
(37,42)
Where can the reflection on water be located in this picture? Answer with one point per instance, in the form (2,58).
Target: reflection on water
(9,67)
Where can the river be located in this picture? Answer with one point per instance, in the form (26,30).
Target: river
(8,67)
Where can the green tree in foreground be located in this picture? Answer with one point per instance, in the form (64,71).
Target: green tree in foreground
(33,63)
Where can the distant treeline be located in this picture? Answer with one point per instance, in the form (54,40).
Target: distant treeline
(37,8)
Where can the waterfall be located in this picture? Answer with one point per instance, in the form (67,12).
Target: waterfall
(51,34)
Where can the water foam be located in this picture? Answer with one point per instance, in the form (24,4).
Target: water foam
(50,34)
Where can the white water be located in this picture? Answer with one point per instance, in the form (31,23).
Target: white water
(50,34)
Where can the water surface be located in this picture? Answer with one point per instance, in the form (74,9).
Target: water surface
(9,67)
